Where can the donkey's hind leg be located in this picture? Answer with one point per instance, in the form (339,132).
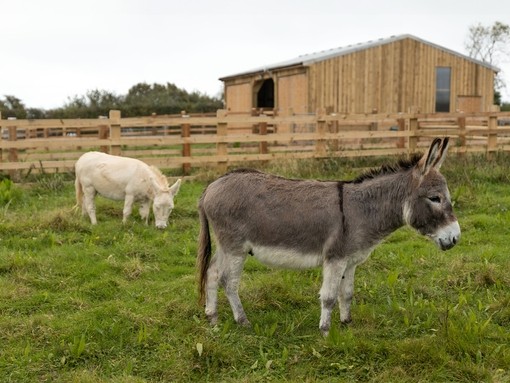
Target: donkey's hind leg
(212,281)
(88,204)
(232,276)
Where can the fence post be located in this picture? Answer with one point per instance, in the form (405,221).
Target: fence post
(320,146)
(103,132)
(221,147)
(115,132)
(413,134)
(186,147)
(492,139)
(13,152)
(263,149)
(461,121)
(401,142)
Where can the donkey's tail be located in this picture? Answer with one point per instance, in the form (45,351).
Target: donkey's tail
(79,194)
(204,252)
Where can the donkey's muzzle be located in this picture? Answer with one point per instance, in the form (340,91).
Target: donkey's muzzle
(161,225)
(448,236)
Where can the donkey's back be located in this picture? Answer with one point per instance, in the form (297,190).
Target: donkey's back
(110,175)
(273,218)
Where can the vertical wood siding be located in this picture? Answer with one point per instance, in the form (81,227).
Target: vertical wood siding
(394,77)
(399,76)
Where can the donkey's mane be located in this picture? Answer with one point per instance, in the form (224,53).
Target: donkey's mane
(402,165)
(251,170)
(160,176)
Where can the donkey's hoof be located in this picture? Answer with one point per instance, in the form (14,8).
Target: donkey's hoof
(324,331)
(212,318)
(244,322)
(347,321)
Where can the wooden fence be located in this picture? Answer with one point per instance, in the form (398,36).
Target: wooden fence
(186,141)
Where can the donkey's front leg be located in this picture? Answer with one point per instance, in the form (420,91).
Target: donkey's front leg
(333,270)
(128,207)
(346,294)
(145,207)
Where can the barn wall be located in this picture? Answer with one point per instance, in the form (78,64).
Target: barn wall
(238,97)
(394,77)
(389,78)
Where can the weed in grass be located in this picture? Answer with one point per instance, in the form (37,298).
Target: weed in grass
(9,192)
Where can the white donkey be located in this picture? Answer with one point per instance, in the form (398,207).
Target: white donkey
(123,178)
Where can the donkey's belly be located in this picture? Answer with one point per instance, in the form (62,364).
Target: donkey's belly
(117,195)
(286,258)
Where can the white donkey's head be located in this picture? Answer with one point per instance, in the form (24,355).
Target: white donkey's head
(163,203)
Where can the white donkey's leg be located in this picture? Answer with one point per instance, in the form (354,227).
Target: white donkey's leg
(128,207)
(213,278)
(88,203)
(144,210)
(346,294)
(232,275)
(332,277)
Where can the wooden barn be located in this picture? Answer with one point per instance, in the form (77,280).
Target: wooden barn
(397,74)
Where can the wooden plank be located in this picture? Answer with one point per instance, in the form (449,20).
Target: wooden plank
(115,132)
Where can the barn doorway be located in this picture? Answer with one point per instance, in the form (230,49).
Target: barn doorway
(265,94)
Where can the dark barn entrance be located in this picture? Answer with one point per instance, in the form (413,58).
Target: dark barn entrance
(265,94)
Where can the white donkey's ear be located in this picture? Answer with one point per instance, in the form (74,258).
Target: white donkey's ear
(174,189)
(435,156)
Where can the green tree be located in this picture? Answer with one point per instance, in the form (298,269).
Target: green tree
(94,104)
(143,99)
(490,44)
(11,106)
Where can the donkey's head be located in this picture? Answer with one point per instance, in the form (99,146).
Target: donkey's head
(164,203)
(428,208)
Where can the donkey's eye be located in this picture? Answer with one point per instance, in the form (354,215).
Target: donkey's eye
(435,199)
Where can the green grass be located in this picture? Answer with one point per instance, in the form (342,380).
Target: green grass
(118,303)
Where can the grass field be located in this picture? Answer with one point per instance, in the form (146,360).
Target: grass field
(118,303)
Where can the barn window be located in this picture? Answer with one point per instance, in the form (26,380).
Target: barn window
(265,94)
(443,76)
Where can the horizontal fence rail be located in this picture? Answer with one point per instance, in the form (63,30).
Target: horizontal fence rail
(186,141)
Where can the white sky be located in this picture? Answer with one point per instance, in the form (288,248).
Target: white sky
(53,50)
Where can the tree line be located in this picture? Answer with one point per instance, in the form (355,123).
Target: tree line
(141,99)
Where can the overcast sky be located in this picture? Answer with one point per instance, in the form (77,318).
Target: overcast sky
(53,50)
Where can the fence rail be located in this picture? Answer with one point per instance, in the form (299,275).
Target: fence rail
(186,141)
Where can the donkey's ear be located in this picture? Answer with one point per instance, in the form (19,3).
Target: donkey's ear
(442,153)
(435,156)
(174,189)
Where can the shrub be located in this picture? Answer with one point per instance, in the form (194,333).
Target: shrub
(9,192)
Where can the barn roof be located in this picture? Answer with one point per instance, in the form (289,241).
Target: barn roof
(308,59)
